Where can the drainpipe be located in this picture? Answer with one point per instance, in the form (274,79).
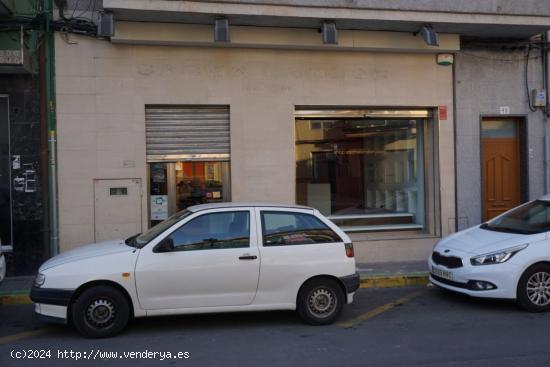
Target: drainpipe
(546,111)
(52,126)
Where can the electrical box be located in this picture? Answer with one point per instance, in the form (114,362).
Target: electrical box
(539,97)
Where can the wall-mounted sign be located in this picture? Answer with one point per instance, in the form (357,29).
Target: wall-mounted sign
(504,110)
(159,207)
(16,162)
(442,113)
(157,173)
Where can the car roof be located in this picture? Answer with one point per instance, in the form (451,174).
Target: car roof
(233,204)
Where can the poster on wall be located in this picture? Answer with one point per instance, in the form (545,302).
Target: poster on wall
(159,207)
(157,173)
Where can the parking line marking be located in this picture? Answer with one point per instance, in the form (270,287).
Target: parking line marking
(23,335)
(379,310)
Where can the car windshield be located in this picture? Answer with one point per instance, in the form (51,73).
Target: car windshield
(144,238)
(533,217)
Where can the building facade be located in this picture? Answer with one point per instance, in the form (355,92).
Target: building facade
(23,169)
(341,106)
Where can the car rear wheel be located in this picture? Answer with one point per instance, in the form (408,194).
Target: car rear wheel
(100,312)
(320,301)
(533,293)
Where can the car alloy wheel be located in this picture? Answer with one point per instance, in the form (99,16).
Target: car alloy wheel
(538,289)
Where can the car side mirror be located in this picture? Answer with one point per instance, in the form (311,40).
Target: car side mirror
(166,245)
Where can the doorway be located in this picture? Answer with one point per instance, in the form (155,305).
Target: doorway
(502,169)
(5,176)
(174,186)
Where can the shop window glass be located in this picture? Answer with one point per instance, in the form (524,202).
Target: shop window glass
(365,174)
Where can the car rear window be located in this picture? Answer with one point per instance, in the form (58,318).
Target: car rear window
(289,228)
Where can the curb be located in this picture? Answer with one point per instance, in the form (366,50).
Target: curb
(15,298)
(370,282)
(394,281)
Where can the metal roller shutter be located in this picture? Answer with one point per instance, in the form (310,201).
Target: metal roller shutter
(187,133)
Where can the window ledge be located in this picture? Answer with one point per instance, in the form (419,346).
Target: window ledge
(384,227)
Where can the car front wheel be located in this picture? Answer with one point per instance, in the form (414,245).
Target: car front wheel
(100,311)
(320,301)
(533,293)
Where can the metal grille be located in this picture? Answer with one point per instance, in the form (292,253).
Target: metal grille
(451,262)
(187,133)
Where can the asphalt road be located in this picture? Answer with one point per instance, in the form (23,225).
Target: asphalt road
(391,327)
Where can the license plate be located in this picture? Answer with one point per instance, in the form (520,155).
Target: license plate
(442,273)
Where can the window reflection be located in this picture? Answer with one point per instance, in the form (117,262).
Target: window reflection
(362,172)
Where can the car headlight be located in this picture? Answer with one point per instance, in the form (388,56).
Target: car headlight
(497,257)
(39,280)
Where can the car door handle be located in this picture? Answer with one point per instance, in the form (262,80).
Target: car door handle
(248,257)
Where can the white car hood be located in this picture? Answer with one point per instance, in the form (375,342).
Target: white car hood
(478,241)
(88,251)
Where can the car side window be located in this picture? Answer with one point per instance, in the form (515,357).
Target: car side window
(289,228)
(213,231)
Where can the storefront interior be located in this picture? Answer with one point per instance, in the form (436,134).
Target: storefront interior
(365,169)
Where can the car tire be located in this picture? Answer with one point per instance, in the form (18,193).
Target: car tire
(100,312)
(533,292)
(320,301)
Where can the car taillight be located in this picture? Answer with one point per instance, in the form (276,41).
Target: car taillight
(349,249)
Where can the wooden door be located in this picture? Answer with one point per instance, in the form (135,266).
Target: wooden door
(500,144)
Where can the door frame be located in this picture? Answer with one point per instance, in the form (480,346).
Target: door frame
(9,246)
(171,183)
(140,198)
(522,121)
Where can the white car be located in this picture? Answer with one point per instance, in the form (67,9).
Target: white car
(207,258)
(2,265)
(508,257)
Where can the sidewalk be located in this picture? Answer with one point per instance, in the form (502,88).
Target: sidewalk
(15,290)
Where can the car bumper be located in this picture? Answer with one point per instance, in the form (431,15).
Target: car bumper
(351,284)
(51,313)
(51,303)
(2,267)
(51,296)
(503,276)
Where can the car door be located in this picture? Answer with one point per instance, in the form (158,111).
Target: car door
(214,262)
(296,246)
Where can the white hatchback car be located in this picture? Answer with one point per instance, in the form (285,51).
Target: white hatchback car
(207,258)
(508,257)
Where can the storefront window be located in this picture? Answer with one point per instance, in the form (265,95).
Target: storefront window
(175,186)
(364,173)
